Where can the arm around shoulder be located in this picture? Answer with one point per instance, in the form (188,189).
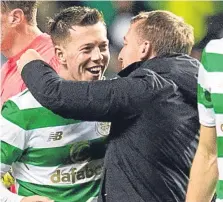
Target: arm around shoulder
(104,100)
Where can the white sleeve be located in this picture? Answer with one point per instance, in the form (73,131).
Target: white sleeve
(13,141)
(7,196)
(205,106)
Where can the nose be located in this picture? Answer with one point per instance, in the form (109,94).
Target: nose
(120,56)
(96,54)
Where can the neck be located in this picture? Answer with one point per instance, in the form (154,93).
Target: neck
(63,73)
(22,39)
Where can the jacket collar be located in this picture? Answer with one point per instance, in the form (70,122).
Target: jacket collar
(128,70)
(156,64)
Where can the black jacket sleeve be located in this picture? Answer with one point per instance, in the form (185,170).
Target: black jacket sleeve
(93,101)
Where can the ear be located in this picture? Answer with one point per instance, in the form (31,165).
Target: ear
(145,50)
(60,53)
(16,17)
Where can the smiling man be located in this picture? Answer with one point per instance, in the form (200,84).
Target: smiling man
(54,158)
(82,50)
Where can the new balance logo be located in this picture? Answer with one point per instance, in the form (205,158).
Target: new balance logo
(55,136)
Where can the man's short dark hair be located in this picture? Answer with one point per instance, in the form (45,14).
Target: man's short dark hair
(28,8)
(167,32)
(77,15)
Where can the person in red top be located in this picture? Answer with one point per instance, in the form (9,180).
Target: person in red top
(19,32)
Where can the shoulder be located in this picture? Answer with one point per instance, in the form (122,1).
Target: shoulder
(18,108)
(47,51)
(212,56)
(215,46)
(54,63)
(24,100)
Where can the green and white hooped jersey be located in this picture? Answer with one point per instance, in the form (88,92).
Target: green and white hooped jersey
(210,99)
(51,156)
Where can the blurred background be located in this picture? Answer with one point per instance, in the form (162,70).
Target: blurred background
(205,16)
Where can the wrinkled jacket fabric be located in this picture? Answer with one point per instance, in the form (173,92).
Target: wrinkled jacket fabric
(154,130)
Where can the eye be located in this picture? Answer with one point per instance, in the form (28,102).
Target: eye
(103,47)
(87,49)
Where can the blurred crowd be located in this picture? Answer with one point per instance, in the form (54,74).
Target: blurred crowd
(205,16)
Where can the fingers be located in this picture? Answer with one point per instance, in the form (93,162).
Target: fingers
(27,57)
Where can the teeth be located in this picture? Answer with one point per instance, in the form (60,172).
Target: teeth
(95,68)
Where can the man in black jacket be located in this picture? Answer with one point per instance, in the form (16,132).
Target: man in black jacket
(152,108)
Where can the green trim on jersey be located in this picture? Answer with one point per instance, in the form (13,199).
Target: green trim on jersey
(33,118)
(204,97)
(212,62)
(66,193)
(217,100)
(24,92)
(220,146)
(207,99)
(15,153)
(65,155)
(220,189)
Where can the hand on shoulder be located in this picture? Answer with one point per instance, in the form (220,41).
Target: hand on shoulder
(27,57)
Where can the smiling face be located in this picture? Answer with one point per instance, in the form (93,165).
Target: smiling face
(85,55)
